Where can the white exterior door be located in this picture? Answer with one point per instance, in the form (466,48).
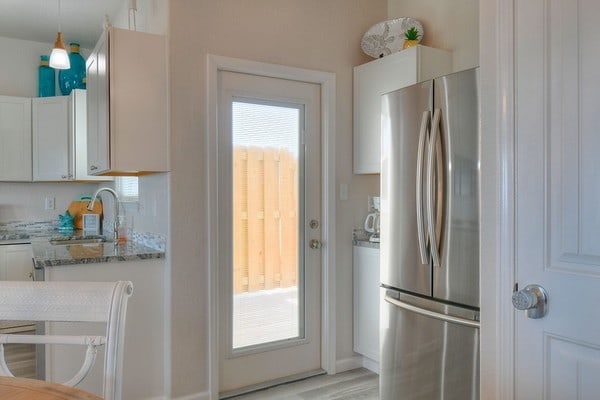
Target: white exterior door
(557,202)
(269,212)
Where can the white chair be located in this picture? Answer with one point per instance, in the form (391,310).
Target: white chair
(71,302)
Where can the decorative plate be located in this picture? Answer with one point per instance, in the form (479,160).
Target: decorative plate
(387,37)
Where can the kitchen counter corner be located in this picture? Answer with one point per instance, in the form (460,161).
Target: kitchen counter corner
(48,255)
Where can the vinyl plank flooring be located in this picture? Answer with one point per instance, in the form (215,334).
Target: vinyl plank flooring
(358,384)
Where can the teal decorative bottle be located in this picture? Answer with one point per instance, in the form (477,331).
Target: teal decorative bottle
(72,78)
(46,85)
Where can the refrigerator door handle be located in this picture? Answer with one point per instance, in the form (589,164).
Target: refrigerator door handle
(432,314)
(421,230)
(435,127)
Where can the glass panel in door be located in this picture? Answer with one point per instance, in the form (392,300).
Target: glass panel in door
(267,229)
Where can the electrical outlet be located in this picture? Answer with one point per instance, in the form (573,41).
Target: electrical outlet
(49,203)
(343,191)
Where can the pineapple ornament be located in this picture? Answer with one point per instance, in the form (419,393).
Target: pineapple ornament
(411,38)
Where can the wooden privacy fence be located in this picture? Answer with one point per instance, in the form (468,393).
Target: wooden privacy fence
(265,218)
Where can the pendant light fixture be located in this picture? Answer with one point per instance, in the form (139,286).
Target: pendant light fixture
(59,59)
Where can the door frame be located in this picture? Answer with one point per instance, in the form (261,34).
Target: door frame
(327,81)
(498,170)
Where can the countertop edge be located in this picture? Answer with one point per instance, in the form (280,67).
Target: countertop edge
(57,262)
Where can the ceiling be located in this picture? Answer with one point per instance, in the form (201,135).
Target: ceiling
(37,20)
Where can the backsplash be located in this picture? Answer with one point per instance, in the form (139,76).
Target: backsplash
(25,229)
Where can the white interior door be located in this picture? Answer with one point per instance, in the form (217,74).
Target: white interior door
(557,220)
(269,212)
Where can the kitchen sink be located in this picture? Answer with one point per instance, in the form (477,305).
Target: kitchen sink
(77,240)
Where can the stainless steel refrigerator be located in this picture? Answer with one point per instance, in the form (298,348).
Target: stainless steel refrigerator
(430,240)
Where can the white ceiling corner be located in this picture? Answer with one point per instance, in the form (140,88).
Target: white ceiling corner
(37,20)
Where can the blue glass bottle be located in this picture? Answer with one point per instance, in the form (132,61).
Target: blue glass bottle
(46,85)
(72,78)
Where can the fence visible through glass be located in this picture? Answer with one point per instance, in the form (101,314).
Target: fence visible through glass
(266,224)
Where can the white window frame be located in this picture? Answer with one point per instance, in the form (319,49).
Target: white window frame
(128,189)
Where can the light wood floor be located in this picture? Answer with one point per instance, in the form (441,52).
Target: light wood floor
(358,384)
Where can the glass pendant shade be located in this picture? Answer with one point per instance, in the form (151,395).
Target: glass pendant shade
(59,59)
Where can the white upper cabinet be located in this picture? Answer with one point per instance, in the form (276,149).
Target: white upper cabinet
(15,139)
(371,80)
(59,138)
(51,132)
(127,104)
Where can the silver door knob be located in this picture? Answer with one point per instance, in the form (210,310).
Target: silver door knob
(314,244)
(533,299)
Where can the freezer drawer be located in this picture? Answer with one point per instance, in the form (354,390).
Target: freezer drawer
(430,350)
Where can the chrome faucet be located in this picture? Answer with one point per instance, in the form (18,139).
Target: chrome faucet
(116,210)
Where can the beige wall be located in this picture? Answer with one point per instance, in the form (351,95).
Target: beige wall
(448,24)
(313,34)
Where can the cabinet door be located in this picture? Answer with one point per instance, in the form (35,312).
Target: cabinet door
(371,80)
(16,263)
(98,157)
(78,141)
(366,302)
(15,139)
(51,133)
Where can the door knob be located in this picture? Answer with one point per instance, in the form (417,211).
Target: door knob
(533,299)
(314,244)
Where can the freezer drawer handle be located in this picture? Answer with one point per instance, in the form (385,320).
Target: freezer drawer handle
(427,313)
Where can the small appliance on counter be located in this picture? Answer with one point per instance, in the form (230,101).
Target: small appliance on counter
(372,220)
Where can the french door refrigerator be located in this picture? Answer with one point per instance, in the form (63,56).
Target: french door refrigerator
(430,240)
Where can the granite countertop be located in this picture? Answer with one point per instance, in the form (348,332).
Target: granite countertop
(51,255)
(365,243)
(362,238)
(46,254)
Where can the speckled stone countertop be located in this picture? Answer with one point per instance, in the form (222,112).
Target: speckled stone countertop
(361,238)
(46,254)
(52,255)
(366,243)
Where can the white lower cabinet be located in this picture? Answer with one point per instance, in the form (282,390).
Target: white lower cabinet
(144,361)
(16,262)
(366,304)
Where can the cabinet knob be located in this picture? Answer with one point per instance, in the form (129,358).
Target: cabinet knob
(93,168)
(63,177)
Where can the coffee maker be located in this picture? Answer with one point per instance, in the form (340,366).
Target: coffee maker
(372,220)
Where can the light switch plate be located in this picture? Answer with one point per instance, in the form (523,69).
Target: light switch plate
(49,203)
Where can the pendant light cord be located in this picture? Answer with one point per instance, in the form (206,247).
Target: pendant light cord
(59,24)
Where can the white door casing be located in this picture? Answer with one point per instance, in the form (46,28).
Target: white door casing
(327,82)
(547,89)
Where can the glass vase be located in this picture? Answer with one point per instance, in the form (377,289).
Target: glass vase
(74,77)
(46,84)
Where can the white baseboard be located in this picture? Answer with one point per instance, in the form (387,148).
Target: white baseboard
(346,364)
(195,396)
(370,364)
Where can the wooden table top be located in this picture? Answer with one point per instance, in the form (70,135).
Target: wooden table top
(28,389)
